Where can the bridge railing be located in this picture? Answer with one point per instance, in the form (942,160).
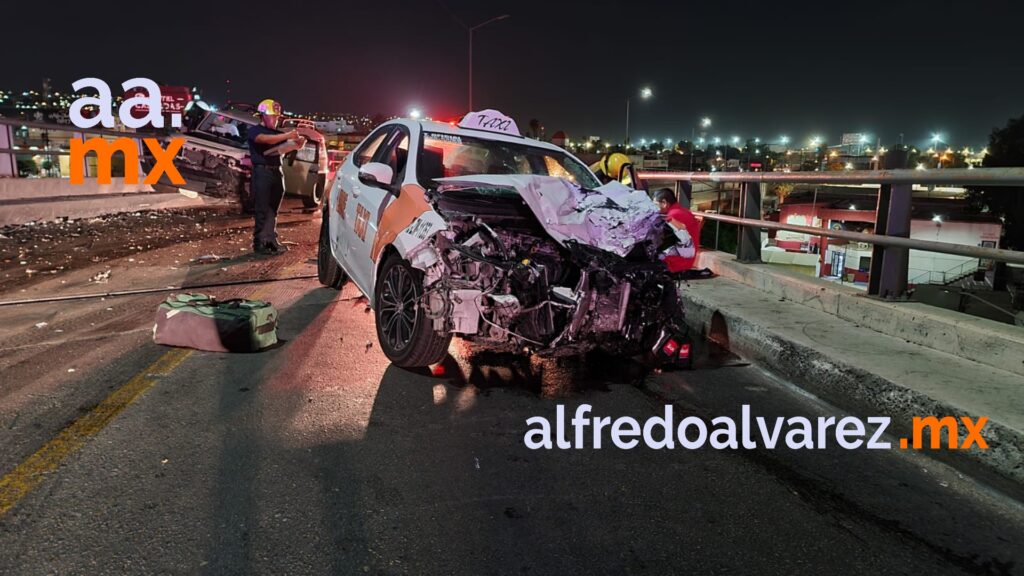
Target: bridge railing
(34,143)
(891,238)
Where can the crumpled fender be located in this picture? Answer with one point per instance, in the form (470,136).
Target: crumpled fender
(406,223)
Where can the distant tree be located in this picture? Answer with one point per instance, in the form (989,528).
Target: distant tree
(1005,149)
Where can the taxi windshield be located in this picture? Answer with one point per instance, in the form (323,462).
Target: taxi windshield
(446,155)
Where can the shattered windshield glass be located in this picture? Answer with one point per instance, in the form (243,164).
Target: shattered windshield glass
(446,155)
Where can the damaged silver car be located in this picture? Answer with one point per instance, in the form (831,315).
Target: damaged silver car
(504,241)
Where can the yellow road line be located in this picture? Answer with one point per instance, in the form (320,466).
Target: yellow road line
(20,481)
(17,483)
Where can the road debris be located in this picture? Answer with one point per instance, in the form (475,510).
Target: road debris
(60,246)
(208,259)
(101,277)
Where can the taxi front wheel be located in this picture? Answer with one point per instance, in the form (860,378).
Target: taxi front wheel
(406,334)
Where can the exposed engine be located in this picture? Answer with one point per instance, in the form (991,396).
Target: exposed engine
(502,279)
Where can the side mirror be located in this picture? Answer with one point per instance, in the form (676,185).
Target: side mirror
(376,174)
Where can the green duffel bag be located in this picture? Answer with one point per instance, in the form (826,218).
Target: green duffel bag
(204,323)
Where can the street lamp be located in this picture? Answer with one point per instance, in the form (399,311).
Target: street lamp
(645,93)
(705,123)
(471,29)
(936,140)
(415,113)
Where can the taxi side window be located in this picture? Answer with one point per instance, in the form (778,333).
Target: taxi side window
(396,155)
(365,152)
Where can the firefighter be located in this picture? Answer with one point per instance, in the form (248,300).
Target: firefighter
(266,145)
(613,167)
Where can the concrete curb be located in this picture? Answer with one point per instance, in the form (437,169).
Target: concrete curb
(855,389)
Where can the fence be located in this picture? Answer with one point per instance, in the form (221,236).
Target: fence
(39,149)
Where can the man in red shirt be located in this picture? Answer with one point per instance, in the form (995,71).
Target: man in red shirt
(681,218)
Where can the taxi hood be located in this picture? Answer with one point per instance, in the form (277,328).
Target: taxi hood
(611,217)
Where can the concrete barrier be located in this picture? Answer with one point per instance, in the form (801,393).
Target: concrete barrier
(23,189)
(798,334)
(978,339)
(33,199)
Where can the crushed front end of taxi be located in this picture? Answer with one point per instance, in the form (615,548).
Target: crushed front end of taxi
(539,264)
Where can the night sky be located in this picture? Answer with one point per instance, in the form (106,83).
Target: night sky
(756,68)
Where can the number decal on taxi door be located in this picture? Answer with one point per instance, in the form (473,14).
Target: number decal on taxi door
(362,217)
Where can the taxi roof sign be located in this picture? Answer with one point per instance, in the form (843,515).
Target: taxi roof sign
(490,121)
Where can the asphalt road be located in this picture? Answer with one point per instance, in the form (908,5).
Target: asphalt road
(319,457)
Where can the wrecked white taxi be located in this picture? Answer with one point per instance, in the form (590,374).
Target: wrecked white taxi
(473,230)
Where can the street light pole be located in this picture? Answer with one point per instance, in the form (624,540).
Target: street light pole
(645,93)
(705,123)
(471,29)
(469,82)
(627,123)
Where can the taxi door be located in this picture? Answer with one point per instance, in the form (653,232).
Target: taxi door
(367,204)
(343,201)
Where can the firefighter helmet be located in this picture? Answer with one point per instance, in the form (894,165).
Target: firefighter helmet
(612,165)
(269,107)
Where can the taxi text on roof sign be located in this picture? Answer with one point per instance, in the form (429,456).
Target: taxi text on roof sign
(491,121)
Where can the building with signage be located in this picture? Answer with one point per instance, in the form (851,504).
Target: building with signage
(935,218)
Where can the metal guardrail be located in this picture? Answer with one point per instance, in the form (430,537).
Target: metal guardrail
(955,273)
(895,241)
(66,128)
(958,176)
(891,240)
(9,152)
